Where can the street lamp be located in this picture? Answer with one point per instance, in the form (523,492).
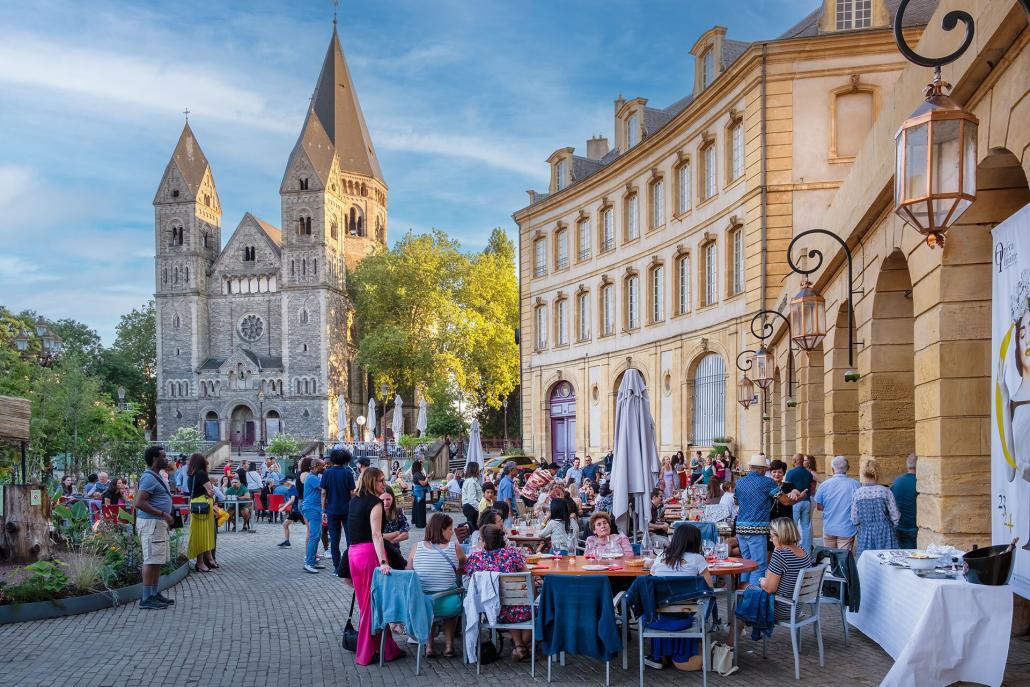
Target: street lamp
(382,393)
(121,397)
(261,412)
(21,342)
(935,165)
(762,361)
(361,428)
(763,358)
(745,387)
(505,404)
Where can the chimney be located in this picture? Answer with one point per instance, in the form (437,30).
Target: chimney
(597,147)
(619,102)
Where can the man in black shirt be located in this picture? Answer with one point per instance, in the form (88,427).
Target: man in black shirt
(337,488)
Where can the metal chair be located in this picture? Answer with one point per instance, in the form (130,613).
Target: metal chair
(700,610)
(515,589)
(806,594)
(840,600)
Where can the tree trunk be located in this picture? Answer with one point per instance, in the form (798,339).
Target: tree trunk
(25,535)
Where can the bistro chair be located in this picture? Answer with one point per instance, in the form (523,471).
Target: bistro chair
(840,600)
(275,502)
(583,602)
(804,606)
(514,589)
(709,530)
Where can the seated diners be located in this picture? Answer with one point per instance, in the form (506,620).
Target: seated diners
(438,560)
(496,557)
(241,493)
(489,498)
(657,525)
(115,493)
(561,527)
(395,524)
(603,541)
(491,516)
(682,557)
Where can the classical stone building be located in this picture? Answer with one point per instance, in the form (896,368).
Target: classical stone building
(255,337)
(655,253)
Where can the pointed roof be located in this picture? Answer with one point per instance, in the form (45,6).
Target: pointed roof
(189,159)
(334,125)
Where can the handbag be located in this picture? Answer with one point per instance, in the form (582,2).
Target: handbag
(722,659)
(198,507)
(350,634)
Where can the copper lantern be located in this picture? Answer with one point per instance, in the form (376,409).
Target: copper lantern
(745,392)
(808,317)
(763,366)
(935,172)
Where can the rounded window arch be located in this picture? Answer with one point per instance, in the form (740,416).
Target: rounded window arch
(709,387)
(355,221)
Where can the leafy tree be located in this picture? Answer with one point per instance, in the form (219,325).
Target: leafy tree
(81,340)
(283,445)
(132,362)
(186,440)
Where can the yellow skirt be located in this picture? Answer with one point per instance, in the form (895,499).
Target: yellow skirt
(202,530)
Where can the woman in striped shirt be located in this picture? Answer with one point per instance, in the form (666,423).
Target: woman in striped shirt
(786,563)
(438,560)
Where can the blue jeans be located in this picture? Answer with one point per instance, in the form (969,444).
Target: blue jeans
(803,518)
(314,518)
(753,547)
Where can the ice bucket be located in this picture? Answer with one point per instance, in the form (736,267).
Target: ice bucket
(991,565)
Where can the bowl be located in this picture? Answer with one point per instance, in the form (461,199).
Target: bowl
(990,565)
(635,563)
(921,561)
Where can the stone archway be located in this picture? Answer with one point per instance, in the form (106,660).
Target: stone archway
(242,427)
(562,422)
(886,409)
(211,428)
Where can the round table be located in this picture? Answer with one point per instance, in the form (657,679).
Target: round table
(530,540)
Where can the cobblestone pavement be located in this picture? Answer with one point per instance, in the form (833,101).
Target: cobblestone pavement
(261,620)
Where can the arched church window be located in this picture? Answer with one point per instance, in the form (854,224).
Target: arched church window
(303,183)
(187,273)
(304,266)
(304,317)
(176,321)
(304,225)
(293,268)
(164,275)
(175,193)
(364,190)
(314,269)
(333,230)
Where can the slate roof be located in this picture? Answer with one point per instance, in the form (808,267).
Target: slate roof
(263,362)
(917,13)
(273,232)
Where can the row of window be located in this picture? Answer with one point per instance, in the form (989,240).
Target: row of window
(237,285)
(656,210)
(657,301)
(177,237)
(353,222)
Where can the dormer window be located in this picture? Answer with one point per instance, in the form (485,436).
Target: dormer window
(632,131)
(707,68)
(854,14)
(560,175)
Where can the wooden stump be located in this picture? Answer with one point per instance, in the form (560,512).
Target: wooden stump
(25,535)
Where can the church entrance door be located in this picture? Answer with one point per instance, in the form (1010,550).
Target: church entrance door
(211,427)
(242,427)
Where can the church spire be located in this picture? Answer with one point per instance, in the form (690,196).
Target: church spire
(336,111)
(190,163)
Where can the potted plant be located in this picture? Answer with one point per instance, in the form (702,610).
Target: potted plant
(851,376)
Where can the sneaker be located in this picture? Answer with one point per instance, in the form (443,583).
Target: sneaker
(412,640)
(152,604)
(311,569)
(327,554)
(319,566)
(164,599)
(653,664)
(285,543)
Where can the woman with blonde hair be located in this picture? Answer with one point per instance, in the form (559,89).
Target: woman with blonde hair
(875,512)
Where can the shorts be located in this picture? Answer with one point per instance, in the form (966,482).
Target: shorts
(153,539)
(447,606)
(295,516)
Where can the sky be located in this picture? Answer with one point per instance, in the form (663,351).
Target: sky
(465,101)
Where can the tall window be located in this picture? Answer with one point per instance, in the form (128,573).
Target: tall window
(683,285)
(854,14)
(657,203)
(708,172)
(707,68)
(541,327)
(737,261)
(562,323)
(709,384)
(607,229)
(583,316)
(683,188)
(711,275)
(737,150)
(540,258)
(561,249)
(632,131)
(632,228)
(658,294)
(607,310)
(559,175)
(583,239)
(633,302)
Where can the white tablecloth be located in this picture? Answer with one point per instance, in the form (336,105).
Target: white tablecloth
(937,631)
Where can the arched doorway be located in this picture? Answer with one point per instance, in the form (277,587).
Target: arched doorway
(211,426)
(562,406)
(242,428)
(709,395)
(273,424)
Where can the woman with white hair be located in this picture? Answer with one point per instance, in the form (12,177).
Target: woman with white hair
(875,513)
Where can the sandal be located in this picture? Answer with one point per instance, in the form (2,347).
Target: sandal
(519,653)
(199,569)
(450,653)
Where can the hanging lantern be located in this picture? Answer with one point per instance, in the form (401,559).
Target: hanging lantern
(21,342)
(763,366)
(808,317)
(935,170)
(745,392)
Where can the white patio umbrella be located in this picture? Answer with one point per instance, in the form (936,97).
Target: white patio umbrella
(423,420)
(370,419)
(475,454)
(398,417)
(354,430)
(635,468)
(341,418)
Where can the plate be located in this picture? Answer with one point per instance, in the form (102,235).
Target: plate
(728,564)
(545,556)
(593,567)
(612,556)
(530,566)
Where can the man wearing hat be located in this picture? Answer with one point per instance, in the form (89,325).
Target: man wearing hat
(755,494)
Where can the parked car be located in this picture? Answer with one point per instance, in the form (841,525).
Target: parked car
(493,466)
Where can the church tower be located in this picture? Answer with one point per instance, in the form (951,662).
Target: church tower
(187,233)
(333,214)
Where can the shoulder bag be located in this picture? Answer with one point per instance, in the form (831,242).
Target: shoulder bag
(350,634)
(197,507)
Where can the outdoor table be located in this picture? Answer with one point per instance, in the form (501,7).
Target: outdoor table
(235,503)
(937,631)
(531,540)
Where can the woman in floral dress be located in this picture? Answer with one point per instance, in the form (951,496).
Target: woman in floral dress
(875,513)
(496,557)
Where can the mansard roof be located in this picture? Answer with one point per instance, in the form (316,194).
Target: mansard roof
(917,13)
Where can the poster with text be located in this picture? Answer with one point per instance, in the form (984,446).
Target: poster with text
(1010,391)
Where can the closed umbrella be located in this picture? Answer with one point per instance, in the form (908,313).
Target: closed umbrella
(341,418)
(398,417)
(635,468)
(423,420)
(475,454)
(354,430)
(370,422)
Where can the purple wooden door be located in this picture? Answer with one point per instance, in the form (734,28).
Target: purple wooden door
(563,423)
(248,433)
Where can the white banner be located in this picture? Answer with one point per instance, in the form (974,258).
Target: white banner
(1010,391)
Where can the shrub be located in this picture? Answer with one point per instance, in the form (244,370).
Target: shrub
(85,573)
(283,445)
(48,581)
(186,440)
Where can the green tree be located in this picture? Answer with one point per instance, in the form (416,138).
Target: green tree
(132,362)
(81,340)
(186,440)
(283,445)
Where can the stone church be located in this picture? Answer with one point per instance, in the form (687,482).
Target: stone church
(255,337)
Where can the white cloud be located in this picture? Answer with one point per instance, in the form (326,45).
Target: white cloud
(15,182)
(15,270)
(475,148)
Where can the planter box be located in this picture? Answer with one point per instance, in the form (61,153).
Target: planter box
(73,605)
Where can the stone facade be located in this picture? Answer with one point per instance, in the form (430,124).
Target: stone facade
(256,337)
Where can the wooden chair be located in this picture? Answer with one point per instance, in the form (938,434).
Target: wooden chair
(804,610)
(515,589)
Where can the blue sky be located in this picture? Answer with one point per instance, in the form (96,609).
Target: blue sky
(465,100)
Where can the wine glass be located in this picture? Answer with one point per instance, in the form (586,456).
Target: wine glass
(659,550)
(708,548)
